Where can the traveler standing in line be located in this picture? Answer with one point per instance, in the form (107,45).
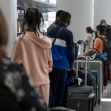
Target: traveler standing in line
(107,32)
(54,24)
(16,94)
(88,43)
(99,45)
(32,49)
(107,29)
(63,56)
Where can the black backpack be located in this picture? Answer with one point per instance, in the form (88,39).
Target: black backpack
(107,47)
(107,40)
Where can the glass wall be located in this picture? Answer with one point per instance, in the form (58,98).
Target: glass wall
(20,20)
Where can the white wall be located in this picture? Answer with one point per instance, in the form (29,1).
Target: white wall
(9,8)
(82,12)
(102,11)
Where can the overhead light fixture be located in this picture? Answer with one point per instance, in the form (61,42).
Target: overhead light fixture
(106,100)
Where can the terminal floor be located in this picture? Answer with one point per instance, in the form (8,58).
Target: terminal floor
(106,100)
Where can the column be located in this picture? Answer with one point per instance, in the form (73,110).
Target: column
(9,8)
(82,12)
(102,11)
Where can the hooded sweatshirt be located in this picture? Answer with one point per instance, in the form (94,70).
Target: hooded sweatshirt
(34,52)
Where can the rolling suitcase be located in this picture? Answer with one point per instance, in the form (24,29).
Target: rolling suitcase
(96,68)
(81,97)
(95,72)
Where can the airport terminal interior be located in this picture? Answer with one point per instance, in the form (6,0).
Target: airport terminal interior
(84,13)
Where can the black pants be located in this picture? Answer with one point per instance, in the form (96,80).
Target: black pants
(58,85)
(105,73)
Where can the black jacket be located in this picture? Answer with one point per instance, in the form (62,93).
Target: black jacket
(16,93)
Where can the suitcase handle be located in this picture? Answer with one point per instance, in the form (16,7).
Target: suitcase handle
(86,59)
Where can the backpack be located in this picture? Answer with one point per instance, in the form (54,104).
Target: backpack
(57,52)
(106,46)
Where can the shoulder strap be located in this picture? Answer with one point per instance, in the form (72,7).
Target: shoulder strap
(57,35)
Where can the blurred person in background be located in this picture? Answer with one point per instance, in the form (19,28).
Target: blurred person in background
(100,46)
(16,93)
(88,43)
(33,50)
(107,29)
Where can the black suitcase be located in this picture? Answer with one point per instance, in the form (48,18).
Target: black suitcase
(81,98)
(97,92)
(96,69)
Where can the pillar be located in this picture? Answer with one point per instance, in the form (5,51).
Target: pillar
(82,12)
(102,11)
(9,8)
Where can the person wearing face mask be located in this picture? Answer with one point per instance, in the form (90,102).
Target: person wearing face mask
(99,42)
(63,57)
(99,46)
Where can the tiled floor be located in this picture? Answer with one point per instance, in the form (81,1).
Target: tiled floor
(106,100)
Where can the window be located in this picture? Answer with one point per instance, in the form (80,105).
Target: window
(52,1)
(47,1)
(43,0)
